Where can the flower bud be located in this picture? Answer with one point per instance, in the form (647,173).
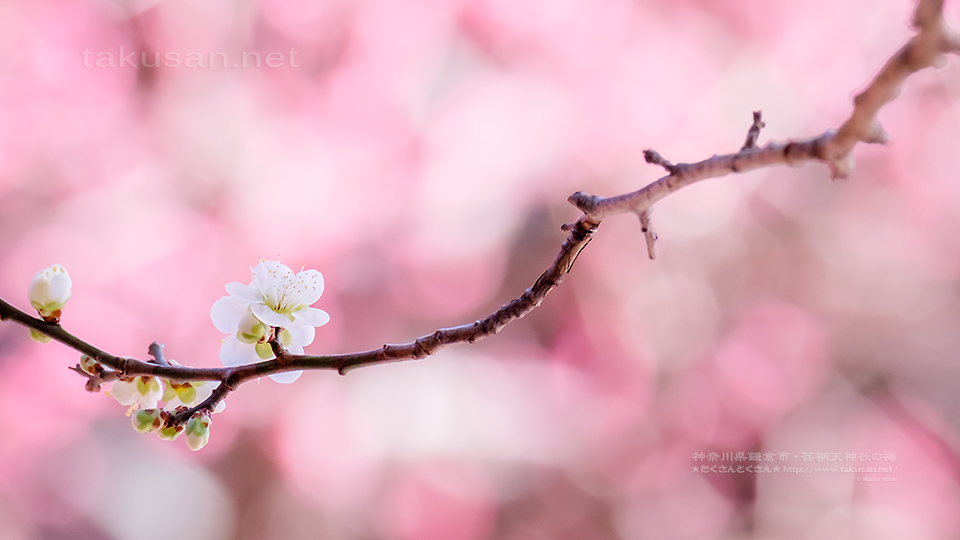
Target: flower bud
(198,431)
(264,351)
(169,433)
(49,291)
(89,365)
(169,394)
(185,392)
(39,336)
(251,330)
(285,336)
(145,420)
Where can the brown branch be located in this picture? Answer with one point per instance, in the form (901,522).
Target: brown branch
(833,147)
(580,234)
(598,208)
(230,378)
(124,367)
(924,50)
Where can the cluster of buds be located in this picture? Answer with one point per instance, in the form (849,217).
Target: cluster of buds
(159,421)
(153,402)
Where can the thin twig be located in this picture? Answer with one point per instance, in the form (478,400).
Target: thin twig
(649,235)
(654,158)
(754,132)
(156,351)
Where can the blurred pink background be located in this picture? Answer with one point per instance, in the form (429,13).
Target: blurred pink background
(419,154)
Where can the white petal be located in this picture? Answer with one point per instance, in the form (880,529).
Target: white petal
(39,290)
(174,403)
(268,275)
(269,316)
(125,392)
(39,293)
(60,287)
(265,268)
(234,353)
(246,293)
(311,286)
(227,312)
(286,378)
(301,335)
(204,389)
(149,401)
(312,316)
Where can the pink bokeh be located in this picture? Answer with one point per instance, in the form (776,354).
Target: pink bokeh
(419,154)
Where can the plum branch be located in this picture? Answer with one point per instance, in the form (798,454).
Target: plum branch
(833,147)
(933,38)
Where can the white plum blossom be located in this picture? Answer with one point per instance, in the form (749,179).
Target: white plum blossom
(277,297)
(143,392)
(49,291)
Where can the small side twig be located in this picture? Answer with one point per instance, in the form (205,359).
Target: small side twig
(754,132)
(649,235)
(156,351)
(654,158)
(95,380)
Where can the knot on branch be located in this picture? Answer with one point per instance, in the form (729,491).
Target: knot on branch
(423,346)
(121,367)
